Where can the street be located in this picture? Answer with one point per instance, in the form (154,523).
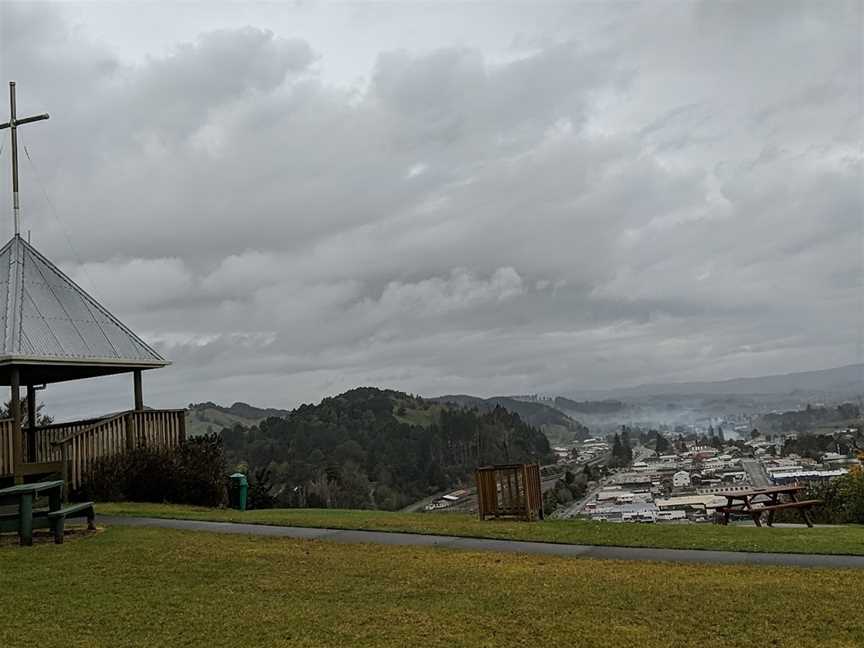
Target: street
(757,474)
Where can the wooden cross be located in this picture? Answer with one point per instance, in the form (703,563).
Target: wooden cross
(13,125)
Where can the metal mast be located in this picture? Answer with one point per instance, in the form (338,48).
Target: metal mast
(13,125)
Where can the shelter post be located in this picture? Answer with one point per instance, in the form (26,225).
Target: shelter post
(139,393)
(31,423)
(15,406)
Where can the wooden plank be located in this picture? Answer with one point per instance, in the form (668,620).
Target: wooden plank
(6,464)
(790,505)
(42,468)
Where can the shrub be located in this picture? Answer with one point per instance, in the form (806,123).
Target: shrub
(260,489)
(842,501)
(194,473)
(201,471)
(850,492)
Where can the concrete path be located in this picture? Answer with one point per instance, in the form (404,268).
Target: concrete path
(509,546)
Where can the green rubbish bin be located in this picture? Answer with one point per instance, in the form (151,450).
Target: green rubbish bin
(239,491)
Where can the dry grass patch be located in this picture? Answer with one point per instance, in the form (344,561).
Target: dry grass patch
(155,587)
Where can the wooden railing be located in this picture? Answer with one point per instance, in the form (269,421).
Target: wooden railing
(47,435)
(79,444)
(159,428)
(7,461)
(115,435)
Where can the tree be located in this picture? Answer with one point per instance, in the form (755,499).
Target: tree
(622,454)
(617,450)
(661,444)
(849,410)
(41,419)
(260,490)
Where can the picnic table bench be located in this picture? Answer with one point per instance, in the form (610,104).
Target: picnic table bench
(26,517)
(758,501)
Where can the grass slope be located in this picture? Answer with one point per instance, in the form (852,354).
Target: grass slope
(201,416)
(826,540)
(200,419)
(154,587)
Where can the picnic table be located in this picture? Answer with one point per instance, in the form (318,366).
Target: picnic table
(758,501)
(26,518)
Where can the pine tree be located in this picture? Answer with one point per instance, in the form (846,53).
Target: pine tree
(617,449)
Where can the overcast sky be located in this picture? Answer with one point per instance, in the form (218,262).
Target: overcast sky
(491,198)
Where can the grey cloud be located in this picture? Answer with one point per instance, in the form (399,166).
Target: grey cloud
(219,67)
(644,192)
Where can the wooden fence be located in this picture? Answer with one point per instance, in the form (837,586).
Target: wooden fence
(509,491)
(79,444)
(116,435)
(47,435)
(7,461)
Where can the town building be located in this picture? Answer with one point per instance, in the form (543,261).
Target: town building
(681,479)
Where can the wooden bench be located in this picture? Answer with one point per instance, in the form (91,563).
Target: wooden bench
(756,511)
(58,518)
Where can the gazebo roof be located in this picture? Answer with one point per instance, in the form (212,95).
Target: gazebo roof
(54,331)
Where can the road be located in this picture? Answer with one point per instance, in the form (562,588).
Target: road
(579,505)
(640,452)
(757,474)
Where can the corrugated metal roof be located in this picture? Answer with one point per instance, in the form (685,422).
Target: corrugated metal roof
(45,316)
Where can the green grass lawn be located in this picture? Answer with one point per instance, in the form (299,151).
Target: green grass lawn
(828,540)
(137,587)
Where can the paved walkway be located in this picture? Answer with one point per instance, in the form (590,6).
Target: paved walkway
(510,546)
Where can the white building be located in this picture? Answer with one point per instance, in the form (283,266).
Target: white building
(690,502)
(681,479)
(641,512)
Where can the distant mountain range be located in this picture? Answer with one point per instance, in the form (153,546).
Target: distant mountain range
(561,419)
(557,425)
(838,383)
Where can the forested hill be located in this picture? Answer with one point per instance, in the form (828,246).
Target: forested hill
(371,448)
(557,425)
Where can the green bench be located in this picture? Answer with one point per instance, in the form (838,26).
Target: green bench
(57,519)
(24,516)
